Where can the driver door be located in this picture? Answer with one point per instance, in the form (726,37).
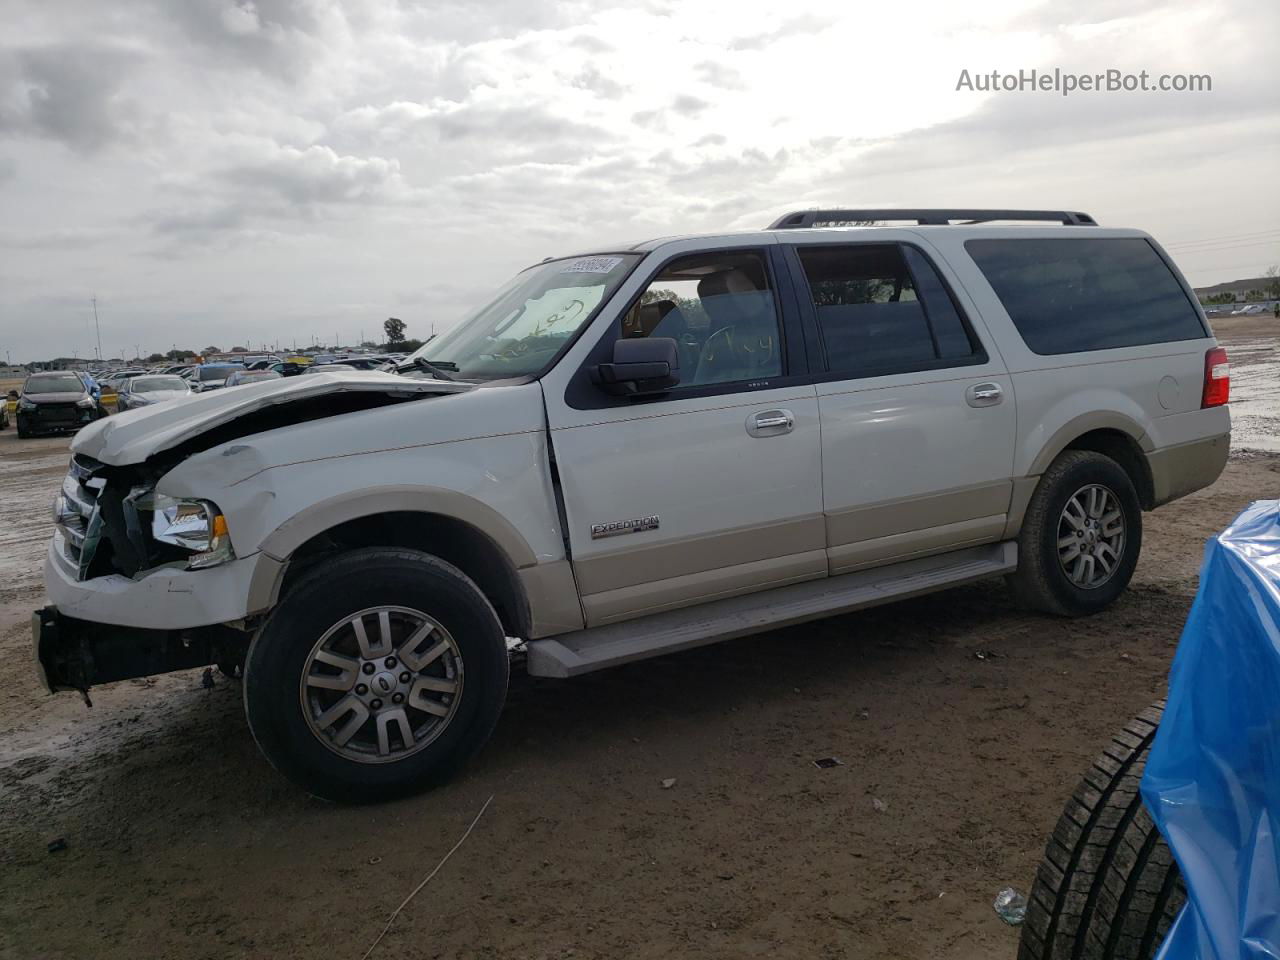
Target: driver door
(713,488)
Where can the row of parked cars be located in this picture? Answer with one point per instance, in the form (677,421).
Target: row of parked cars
(56,401)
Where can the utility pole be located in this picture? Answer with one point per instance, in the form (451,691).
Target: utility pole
(96,327)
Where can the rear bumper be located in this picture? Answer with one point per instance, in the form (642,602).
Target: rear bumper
(1186,467)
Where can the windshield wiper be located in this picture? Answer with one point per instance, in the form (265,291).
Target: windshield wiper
(437,370)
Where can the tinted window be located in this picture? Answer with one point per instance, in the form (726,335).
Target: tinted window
(720,310)
(1067,295)
(876,315)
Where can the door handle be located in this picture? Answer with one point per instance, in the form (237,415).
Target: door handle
(771,423)
(984,394)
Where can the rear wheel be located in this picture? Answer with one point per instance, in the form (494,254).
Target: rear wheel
(1080,538)
(380,673)
(1108,887)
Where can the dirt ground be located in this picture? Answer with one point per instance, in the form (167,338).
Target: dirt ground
(967,718)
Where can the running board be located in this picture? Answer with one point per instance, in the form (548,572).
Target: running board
(571,654)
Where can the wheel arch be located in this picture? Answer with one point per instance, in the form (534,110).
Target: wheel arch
(458,529)
(1110,434)
(1113,436)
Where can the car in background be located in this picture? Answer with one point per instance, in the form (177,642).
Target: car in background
(55,401)
(4,410)
(150,389)
(213,376)
(287,368)
(240,377)
(328,368)
(362,363)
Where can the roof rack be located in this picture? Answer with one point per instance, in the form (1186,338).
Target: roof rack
(808,218)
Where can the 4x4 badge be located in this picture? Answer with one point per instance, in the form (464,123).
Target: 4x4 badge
(599,530)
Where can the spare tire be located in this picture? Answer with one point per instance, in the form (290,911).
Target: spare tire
(1108,887)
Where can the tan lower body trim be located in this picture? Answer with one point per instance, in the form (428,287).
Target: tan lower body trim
(682,591)
(1177,471)
(633,564)
(553,598)
(916,543)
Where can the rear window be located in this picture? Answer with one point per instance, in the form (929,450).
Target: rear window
(1069,295)
(218,373)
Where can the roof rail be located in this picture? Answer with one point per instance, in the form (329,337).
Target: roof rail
(809,218)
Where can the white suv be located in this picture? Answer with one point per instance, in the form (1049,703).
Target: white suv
(636,451)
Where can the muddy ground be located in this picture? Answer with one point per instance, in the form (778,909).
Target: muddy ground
(967,718)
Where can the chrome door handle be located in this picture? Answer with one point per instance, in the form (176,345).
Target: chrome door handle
(771,423)
(984,394)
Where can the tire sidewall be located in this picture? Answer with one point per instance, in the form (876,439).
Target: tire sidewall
(369,578)
(1096,470)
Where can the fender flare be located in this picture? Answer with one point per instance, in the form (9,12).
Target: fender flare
(281,543)
(1076,427)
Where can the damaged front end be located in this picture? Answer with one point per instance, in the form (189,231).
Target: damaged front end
(145,582)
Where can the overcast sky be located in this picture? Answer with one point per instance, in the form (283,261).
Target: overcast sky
(222,171)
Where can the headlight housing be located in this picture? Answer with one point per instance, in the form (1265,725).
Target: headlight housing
(195,525)
(25,404)
(85,404)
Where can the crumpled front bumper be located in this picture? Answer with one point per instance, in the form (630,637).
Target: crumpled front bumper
(166,598)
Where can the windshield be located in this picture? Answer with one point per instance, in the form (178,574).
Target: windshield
(529,320)
(54,383)
(217,373)
(157,384)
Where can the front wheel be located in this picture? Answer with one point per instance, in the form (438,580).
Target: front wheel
(380,673)
(1080,538)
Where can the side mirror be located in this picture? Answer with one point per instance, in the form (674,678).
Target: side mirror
(640,366)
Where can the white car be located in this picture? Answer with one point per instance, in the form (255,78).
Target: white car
(144,391)
(638,450)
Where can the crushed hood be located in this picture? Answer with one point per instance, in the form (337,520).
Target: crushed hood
(135,435)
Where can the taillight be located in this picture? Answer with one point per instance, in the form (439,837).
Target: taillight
(1217,378)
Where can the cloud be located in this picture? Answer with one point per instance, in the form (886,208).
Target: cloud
(590,78)
(719,75)
(793,27)
(8,169)
(689,105)
(69,93)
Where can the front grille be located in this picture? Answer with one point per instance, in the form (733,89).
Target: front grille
(58,415)
(79,518)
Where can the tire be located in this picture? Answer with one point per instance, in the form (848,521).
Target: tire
(287,715)
(1041,582)
(23,433)
(1108,887)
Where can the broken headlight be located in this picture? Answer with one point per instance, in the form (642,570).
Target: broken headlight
(195,525)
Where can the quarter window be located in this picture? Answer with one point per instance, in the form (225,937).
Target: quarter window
(721,311)
(882,308)
(1068,295)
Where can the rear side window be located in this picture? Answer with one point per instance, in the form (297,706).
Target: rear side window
(882,309)
(1069,295)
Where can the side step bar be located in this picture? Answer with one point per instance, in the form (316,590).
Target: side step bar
(595,648)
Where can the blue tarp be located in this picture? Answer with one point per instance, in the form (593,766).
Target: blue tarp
(1212,781)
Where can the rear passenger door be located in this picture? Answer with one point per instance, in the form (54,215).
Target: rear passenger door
(916,410)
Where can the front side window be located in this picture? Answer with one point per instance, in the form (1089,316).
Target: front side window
(1068,294)
(881,309)
(721,311)
(530,320)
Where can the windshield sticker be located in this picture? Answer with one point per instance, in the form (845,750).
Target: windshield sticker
(591,265)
